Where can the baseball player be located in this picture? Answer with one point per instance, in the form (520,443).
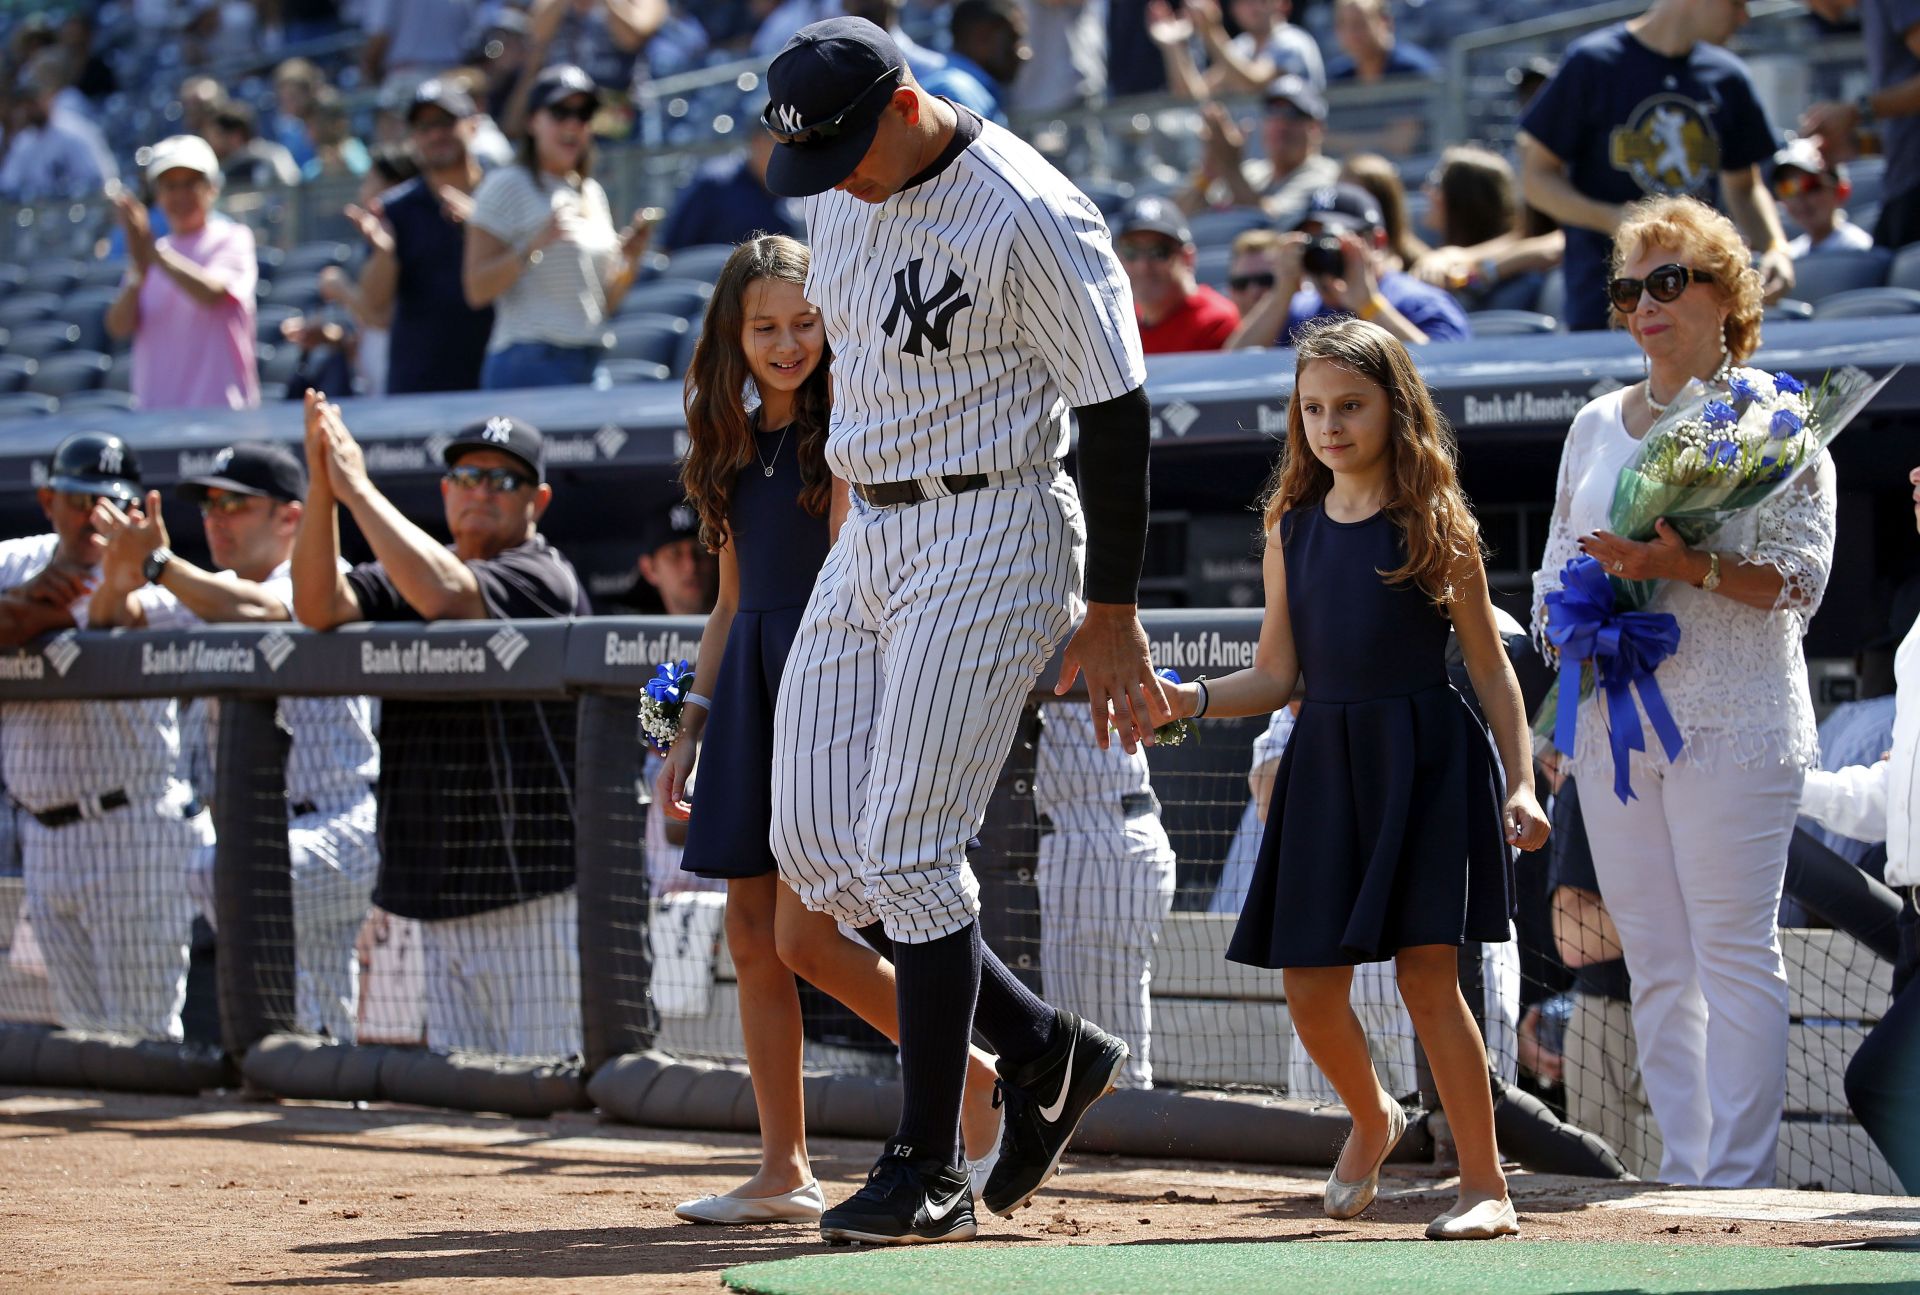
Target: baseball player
(476,797)
(971,297)
(250,505)
(1104,877)
(108,827)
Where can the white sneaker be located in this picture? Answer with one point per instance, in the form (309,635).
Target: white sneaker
(802,1205)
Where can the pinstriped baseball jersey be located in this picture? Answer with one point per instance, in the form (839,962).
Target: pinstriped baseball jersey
(333,755)
(56,752)
(967,314)
(1071,771)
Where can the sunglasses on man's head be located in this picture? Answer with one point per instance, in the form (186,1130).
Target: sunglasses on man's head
(791,132)
(1791,184)
(1247,282)
(497,481)
(1663,284)
(580,112)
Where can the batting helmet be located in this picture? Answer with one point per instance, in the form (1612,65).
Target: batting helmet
(95,463)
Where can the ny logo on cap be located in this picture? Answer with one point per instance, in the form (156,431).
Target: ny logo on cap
(110,458)
(498,430)
(223,460)
(787,117)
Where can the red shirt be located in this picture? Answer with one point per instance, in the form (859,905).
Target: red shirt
(1202,322)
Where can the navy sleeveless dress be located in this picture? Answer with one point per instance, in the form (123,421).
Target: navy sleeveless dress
(780,548)
(1385,828)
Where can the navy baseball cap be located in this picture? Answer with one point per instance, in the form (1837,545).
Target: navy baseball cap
(506,434)
(1342,207)
(1299,92)
(1154,215)
(447,96)
(826,90)
(679,522)
(251,468)
(561,81)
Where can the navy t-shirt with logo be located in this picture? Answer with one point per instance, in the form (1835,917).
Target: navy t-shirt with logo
(476,797)
(1630,123)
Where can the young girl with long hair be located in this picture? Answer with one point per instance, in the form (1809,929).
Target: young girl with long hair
(770,507)
(1388,833)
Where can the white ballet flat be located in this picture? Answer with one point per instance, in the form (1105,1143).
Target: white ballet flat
(1481,1222)
(978,1170)
(1344,1200)
(802,1205)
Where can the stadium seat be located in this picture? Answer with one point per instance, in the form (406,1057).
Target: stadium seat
(14,372)
(269,259)
(620,373)
(26,404)
(311,258)
(11,277)
(683,357)
(43,338)
(1553,294)
(61,375)
(1823,274)
(276,366)
(1788,311)
(1110,196)
(296,288)
(103,274)
(1866,303)
(1210,266)
(1511,323)
(686,298)
(120,377)
(646,337)
(27,307)
(1220,228)
(702,261)
(101,399)
(54,276)
(1905,270)
(87,307)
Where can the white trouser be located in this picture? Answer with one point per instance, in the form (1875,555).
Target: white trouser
(107,897)
(1691,871)
(927,627)
(333,857)
(1105,883)
(505,982)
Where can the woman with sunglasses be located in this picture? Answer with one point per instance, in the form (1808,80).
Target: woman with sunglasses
(1691,867)
(542,249)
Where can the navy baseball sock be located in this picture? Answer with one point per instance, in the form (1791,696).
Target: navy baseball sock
(1014,1019)
(938,983)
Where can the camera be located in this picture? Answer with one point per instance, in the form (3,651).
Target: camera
(1324,256)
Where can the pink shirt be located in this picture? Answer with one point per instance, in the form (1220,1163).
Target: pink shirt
(190,356)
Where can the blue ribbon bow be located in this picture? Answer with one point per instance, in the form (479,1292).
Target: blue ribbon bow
(1625,648)
(668,683)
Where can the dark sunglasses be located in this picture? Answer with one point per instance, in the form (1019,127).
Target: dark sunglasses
(1794,183)
(1145,252)
(1242,282)
(1663,284)
(792,132)
(498,481)
(581,112)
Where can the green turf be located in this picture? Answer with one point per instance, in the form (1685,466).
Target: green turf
(1332,1268)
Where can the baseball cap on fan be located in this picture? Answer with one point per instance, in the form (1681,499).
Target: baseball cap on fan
(506,434)
(1342,208)
(826,91)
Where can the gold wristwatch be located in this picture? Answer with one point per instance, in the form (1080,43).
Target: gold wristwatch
(1712,580)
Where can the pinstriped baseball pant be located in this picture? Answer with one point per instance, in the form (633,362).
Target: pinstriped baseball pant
(926,630)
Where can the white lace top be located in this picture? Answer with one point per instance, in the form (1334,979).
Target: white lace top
(1737,684)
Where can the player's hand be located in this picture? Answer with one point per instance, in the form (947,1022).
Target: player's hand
(1776,274)
(60,583)
(1526,826)
(1110,649)
(373,226)
(346,465)
(316,439)
(133,534)
(670,785)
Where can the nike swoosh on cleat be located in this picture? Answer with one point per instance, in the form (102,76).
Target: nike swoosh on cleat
(937,1215)
(1051,1114)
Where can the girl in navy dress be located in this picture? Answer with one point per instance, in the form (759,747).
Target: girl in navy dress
(770,507)
(1388,833)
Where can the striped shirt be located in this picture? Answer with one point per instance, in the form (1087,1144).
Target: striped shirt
(967,315)
(563,299)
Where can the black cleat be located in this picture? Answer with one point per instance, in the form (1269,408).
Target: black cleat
(905,1201)
(1045,1101)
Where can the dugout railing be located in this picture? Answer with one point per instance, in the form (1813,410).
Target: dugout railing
(658,1022)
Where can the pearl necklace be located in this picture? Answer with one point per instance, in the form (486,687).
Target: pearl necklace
(1659,408)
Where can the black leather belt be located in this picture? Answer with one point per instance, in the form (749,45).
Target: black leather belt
(885,494)
(67,815)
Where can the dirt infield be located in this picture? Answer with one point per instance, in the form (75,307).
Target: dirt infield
(124,1193)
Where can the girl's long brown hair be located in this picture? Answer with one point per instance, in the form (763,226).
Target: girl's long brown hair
(719,430)
(1424,498)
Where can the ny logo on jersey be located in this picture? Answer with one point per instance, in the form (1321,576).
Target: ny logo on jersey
(111,457)
(498,430)
(928,318)
(787,118)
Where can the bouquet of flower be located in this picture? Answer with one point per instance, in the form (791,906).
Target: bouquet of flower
(660,706)
(1703,462)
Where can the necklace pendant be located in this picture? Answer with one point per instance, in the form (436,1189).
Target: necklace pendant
(766,469)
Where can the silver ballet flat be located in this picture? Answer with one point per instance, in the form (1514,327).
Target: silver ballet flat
(1344,1200)
(1481,1222)
(802,1205)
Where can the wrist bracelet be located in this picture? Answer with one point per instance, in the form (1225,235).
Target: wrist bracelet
(1206,699)
(695,699)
